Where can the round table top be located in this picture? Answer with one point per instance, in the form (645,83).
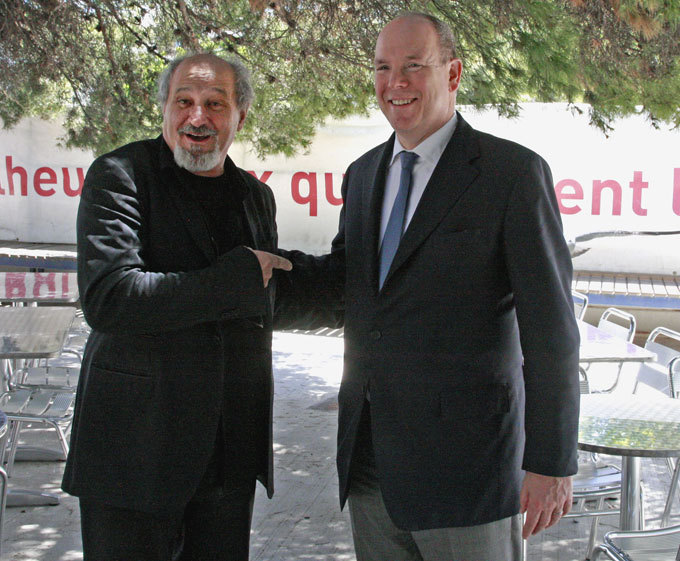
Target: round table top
(630,425)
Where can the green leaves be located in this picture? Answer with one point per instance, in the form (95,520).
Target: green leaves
(96,62)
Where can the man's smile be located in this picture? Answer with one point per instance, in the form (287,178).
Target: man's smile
(400,102)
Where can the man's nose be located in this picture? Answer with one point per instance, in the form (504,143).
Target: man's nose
(397,78)
(197,115)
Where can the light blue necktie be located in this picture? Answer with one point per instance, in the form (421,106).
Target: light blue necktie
(395,224)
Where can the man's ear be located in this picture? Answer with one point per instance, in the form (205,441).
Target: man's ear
(455,70)
(242,119)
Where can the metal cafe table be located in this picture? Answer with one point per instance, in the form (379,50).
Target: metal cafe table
(599,346)
(30,287)
(633,427)
(32,333)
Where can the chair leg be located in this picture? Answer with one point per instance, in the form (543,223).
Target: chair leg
(671,495)
(603,549)
(15,427)
(61,435)
(594,525)
(3,502)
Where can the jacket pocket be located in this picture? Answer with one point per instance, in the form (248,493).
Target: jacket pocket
(478,402)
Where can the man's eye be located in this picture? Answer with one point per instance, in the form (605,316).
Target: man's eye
(182,102)
(413,67)
(381,67)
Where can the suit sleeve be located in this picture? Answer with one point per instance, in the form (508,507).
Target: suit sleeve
(120,294)
(540,269)
(312,295)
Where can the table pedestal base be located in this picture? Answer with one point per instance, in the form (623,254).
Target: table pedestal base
(631,517)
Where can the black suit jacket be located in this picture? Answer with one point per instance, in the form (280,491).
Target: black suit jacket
(155,293)
(470,350)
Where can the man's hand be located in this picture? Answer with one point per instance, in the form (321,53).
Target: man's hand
(269,262)
(545,500)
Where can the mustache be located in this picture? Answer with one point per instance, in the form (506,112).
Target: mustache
(203,130)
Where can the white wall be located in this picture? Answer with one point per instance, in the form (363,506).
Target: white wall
(583,160)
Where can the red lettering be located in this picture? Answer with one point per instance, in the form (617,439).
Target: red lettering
(637,185)
(38,181)
(67,182)
(311,196)
(15,287)
(676,191)
(575,194)
(64,285)
(44,279)
(23,176)
(330,197)
(265,175)
(598,186)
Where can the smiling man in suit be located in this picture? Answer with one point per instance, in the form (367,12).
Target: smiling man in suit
(459,400)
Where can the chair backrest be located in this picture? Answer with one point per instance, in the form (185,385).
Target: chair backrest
(674,377)
(665,343)
(583,383)
(618,323)
(580,303)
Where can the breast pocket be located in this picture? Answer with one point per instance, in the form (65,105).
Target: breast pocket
(460,234)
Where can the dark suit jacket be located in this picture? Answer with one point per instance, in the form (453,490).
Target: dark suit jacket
(155,293)
(470,349)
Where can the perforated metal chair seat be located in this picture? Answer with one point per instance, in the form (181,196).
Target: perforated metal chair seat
(53,407)
(641,545)
(50,377)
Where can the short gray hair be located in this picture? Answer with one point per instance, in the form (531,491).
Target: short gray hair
(243,88)
(447,42)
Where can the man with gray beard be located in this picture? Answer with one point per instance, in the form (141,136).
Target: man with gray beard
(176,257)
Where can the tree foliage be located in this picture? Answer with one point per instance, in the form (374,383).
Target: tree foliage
(97,61)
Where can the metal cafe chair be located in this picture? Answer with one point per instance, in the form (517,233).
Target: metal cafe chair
(50,376)
(41,405)
(625,329)
(674,387)
(3,474)
(594,481)
(580,303)
(656,373)
(663,374)
(641,545)
(618,324)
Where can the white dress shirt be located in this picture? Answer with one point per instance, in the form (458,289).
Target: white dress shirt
(429,151)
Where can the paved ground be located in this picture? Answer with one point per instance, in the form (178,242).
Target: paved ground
(303,521)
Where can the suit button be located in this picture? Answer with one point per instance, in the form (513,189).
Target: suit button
(375,335)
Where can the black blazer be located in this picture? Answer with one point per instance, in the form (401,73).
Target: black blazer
(154,291)
(470,349)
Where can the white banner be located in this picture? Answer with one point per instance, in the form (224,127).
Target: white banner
(627,181)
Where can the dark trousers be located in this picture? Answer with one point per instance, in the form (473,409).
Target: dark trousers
(214,526)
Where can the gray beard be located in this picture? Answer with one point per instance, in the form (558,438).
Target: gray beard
(202,161)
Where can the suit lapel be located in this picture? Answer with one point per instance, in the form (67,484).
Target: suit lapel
(252,219)
(373,191)
(450,179)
